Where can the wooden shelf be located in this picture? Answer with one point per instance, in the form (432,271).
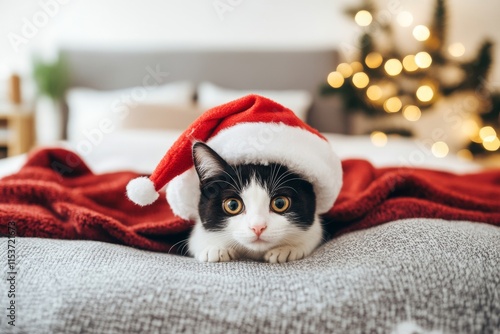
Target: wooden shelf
(16,128)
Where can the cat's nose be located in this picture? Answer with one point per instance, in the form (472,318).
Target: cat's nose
(258,229)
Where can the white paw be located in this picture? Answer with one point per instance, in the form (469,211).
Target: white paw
(214,254)
(284,254)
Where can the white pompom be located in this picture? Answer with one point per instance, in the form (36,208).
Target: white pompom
(142,191)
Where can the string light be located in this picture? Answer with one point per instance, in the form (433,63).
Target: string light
(363,18)
(374,60)
(409,63)
(392,104)
(360,80)
(492,145)
(335,79)
(421,33)
(456,49)
(440,149)
(423,59)
(405,19)
(344,69)
(393,66)
(412,113)
(378,138)
(374,93)
(425,93)
(487,134)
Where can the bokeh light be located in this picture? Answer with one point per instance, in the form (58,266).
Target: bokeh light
(470,128)
(392,104)
(356,66)
(487,134)
(393,66)
(374,93)
(360,80)
(421,33)
(440,149)
(492,145)
(409,63)
(425,93)
(412,113)
(456,49)
(374,60)
(378,138)
(335,79)
(423,59)
(363,18)
(345,69)
(465,154)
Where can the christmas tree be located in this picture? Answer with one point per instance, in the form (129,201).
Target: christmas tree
(385,81)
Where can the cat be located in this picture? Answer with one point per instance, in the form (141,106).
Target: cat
(249,211)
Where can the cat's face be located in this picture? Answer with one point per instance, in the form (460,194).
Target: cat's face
(254,207)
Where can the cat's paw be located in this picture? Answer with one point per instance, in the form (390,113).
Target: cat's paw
(284,254)
(214,254)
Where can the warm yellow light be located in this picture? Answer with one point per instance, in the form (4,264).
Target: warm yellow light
(492,145)
(487,134)
(409,63)
(393,66)
(465,154)
(440,149)
(405,19)
(356,66)
(335,79)
(344,69)
(425,93)
(456,49)
(374,93)
(363,18)
(360,80)
(392,104)
(421,33)
(423,59)
(470,128)
(374,60)
(412,113)
(378,138)
(476,139)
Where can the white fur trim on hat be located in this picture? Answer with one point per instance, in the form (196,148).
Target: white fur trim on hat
(142,191)
(262,143)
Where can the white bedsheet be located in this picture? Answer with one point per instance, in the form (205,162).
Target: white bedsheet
(141,150)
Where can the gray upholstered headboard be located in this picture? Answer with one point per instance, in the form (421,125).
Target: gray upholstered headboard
(278,70)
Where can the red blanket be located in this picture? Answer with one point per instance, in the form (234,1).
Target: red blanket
(55,195)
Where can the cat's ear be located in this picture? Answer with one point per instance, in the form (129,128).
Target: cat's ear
(207,162)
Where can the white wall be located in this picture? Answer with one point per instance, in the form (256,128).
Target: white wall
(196,23)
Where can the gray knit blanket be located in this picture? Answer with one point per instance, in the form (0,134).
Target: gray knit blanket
(409,276)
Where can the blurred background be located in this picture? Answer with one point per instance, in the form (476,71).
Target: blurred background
(349,56)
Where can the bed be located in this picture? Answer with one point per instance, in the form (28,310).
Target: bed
(405,276)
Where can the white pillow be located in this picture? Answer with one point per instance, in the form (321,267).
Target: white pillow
(94,113)
(210,95)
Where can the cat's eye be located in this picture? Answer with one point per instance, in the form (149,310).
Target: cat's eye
(280,204)
(232,206)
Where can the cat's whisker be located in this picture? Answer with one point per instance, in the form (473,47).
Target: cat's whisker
(179,242)
(221,181)
(280,180)
(237,171)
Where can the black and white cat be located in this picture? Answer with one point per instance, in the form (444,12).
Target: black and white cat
(249,211)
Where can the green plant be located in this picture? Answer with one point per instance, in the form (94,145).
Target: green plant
(51,78)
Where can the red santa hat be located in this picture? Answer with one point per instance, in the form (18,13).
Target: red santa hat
(250,130)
